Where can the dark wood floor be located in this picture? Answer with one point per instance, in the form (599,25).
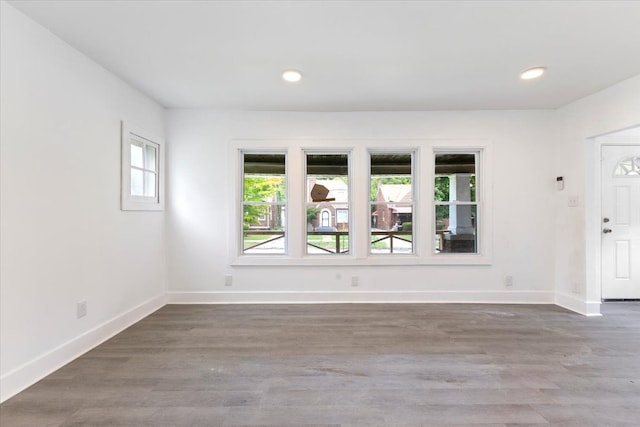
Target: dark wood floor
(351,364)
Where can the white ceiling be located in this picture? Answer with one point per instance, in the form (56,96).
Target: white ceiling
(354,55)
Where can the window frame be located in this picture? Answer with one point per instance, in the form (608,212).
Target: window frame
(449,203)
(359,187)
(482,253)
(241,203)
(128,201)
(350,236)
(414,200)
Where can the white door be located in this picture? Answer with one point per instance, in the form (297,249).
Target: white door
(621,222)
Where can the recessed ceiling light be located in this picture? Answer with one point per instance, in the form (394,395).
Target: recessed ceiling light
(532,73)
(292,76)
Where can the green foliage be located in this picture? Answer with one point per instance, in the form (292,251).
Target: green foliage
(442,189)
(261,189)
(251,215)
(407,226)
(312,214)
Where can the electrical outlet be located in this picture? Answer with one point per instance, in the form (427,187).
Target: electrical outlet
(355,281)
(575,288)
(81,309)
(508,281)
(574,201)
(228,280)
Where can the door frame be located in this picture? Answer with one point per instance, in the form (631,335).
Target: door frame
(593,205)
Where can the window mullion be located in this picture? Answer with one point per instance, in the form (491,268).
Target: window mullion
(359,212)
(296,218)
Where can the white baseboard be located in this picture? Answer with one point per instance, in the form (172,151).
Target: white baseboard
(34,370)
(574,303)
(320,297)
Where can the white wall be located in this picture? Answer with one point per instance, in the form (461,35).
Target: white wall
(200,202)
(577,155)
(64,238)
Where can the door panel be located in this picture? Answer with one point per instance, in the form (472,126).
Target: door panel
(622,259)
(622,205)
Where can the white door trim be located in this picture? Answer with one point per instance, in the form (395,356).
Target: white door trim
(615,288)
(593,208)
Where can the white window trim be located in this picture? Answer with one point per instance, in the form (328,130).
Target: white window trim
(129,202)
(423,226)
(483,204)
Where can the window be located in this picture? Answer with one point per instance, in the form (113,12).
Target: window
(325,219)
(391,194)
(327,203)
(264,196)
(629,166)
(361,203)
(142,168)
(456,202)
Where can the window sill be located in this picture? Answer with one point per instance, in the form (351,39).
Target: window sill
(351,261)
(140,204)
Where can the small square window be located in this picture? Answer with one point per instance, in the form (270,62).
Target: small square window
(142,166)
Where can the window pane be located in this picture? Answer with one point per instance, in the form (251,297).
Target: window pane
(456,230)
(150,157)
(391,195)
(455,177)
(150,184)
(628,167)
(264,178)
(263,229)
(137,182)
(327,203)
(264,203)
(399,238)
(136,154)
